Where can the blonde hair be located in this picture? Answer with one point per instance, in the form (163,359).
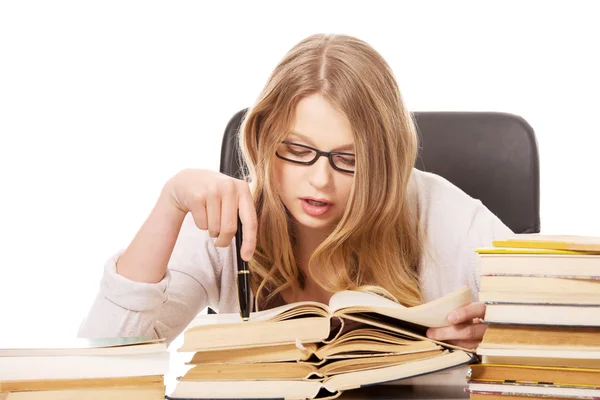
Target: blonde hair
(376,243)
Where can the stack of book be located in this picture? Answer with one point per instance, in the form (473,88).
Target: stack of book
(312,350)
(543,309)
(91,369)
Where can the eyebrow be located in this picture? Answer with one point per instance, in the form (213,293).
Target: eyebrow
(345,147)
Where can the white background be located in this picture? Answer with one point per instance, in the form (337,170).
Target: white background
(101,102)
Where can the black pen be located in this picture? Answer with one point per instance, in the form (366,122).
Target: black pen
(243,276)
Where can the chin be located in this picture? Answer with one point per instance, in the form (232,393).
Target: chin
(311,222)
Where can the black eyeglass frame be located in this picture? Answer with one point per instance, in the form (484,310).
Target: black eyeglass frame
(328,154)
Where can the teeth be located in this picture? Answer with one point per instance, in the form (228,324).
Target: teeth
(315,203)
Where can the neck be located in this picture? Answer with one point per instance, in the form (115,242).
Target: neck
(307,241)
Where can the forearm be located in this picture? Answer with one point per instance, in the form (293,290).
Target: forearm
(148,254)
(107,319)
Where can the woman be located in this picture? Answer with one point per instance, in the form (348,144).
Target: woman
(331,202)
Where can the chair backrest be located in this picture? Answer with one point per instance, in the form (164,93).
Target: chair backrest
(491,156)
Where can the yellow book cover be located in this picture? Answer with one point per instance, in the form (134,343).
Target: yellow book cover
(531,251)
(528,374)
(551,242)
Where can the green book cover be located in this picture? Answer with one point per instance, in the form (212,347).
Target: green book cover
(77,343)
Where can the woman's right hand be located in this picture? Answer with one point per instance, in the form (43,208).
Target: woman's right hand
(214,199)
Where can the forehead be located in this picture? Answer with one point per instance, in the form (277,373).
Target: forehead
(322,125)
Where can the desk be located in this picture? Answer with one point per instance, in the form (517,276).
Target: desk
(448,384)
(420,392)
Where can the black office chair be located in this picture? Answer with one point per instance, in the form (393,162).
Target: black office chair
(491,156)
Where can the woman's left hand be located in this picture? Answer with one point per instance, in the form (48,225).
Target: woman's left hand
(466,330)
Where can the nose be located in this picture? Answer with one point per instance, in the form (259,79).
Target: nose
(320,173)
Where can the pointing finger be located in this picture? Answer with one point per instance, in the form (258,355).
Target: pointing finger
(249,225)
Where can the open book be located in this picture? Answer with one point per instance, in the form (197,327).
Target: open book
(313,350)
(301,381)
(357,343)
(310,322)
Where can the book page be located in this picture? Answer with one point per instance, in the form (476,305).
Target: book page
(392,328)
(250,389)
(243,371)
(352,298)
(432,314)
(273,314)
(356,379)
(535,337)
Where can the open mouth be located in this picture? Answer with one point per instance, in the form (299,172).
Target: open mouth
(316,203)
(314,207)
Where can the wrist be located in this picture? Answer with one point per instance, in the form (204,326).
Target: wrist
(166,208)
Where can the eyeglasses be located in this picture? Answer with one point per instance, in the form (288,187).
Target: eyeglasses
(306,155)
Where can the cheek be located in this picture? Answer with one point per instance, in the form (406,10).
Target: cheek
(289,172)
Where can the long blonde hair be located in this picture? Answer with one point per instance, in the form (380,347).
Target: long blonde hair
(376,243)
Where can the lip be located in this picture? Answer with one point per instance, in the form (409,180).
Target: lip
(314,211)
(317,199)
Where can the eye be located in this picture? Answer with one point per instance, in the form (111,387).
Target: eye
(298,151)
(347,160)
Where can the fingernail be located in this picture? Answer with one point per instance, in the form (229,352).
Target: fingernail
(452,317)
(430,334)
